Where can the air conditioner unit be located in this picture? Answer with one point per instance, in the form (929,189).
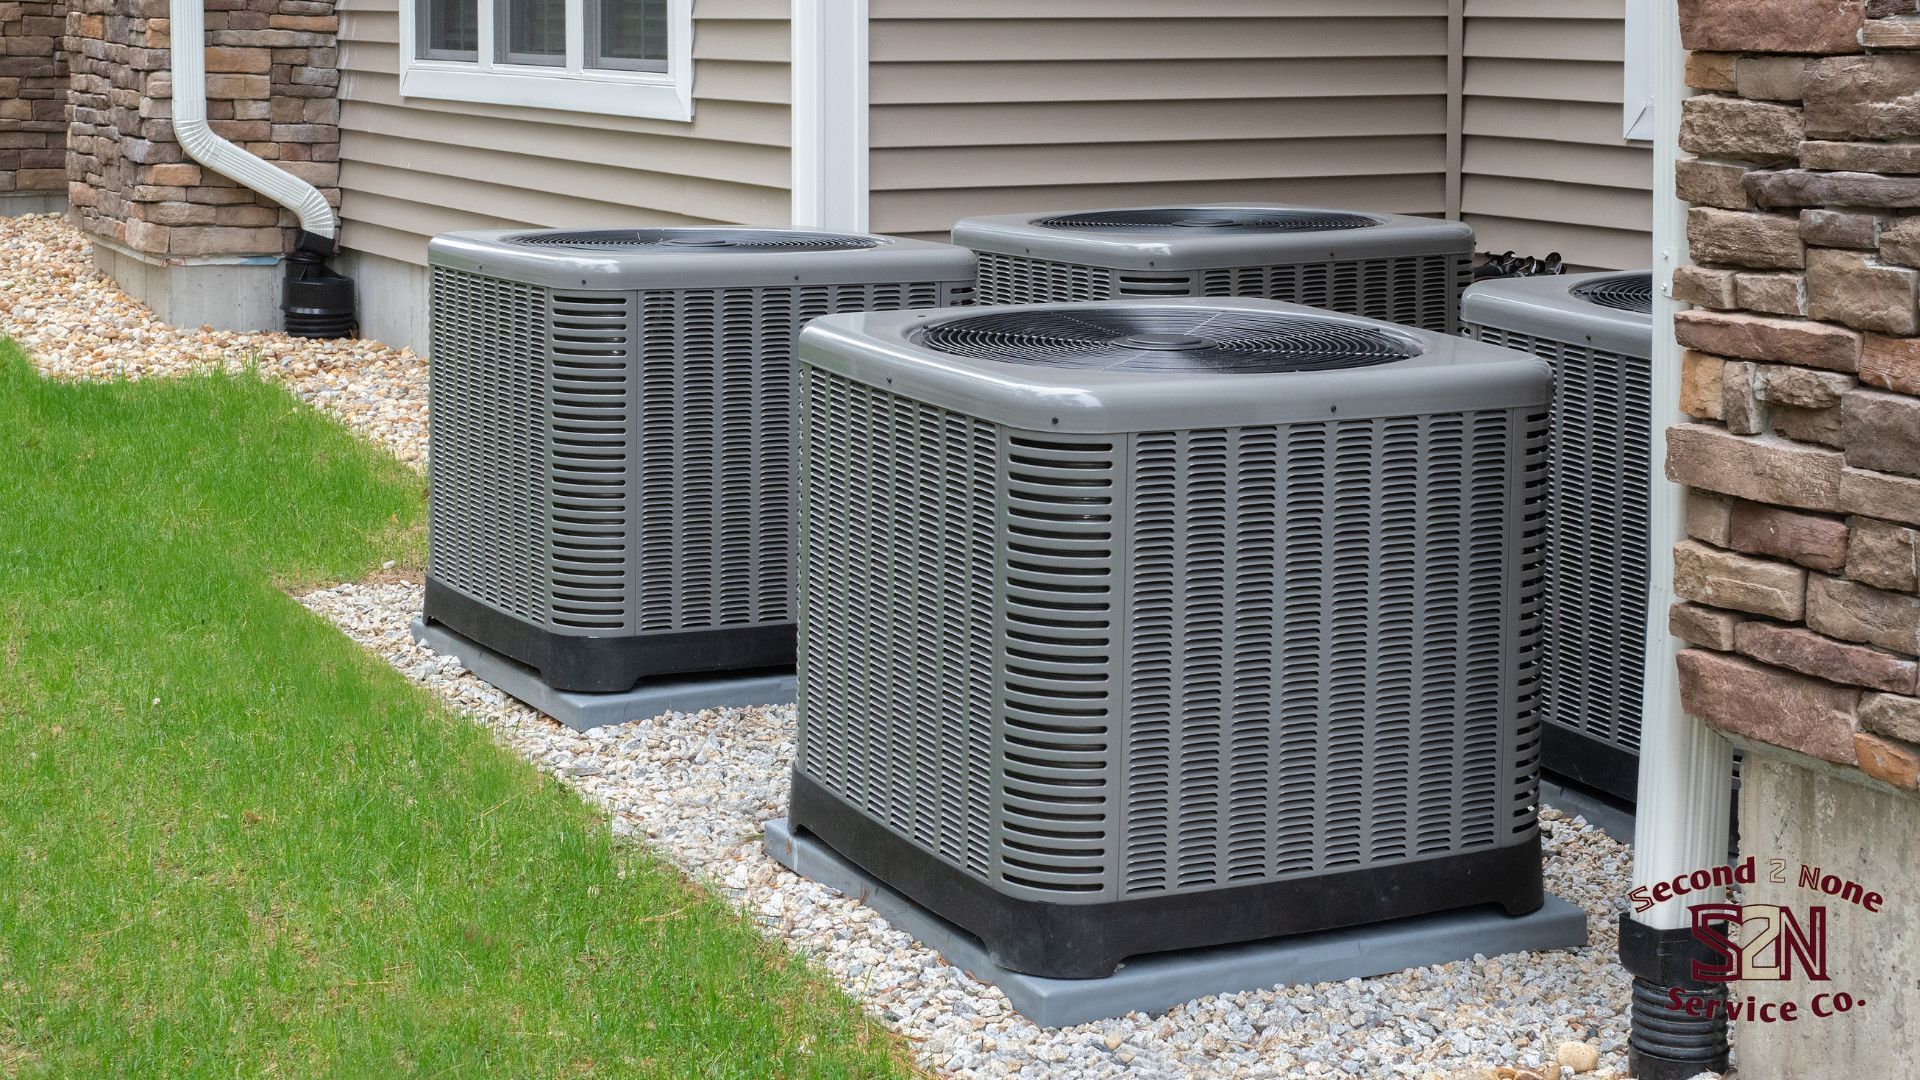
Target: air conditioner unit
(1407,270)
(1146,625)
(1597,332)
(612,438)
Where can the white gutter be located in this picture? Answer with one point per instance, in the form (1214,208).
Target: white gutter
(830,114)
(188,32)
(1681,817)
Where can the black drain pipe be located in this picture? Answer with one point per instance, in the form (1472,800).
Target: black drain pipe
(315,301)
(1665,1043)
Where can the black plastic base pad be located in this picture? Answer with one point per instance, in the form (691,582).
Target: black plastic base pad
(610,664)
(1589,762)
(1085,941)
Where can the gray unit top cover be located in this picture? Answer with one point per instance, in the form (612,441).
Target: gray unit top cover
(702,257)
(1599,310)
(1201,236)
(1188,362)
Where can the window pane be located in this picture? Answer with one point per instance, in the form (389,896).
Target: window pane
(533,31)
(452,30)
(629,34)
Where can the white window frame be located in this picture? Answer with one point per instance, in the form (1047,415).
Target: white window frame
(571,86)
(1636,91)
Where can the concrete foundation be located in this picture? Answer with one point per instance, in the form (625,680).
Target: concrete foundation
(240,292)
(1154,984)
(18,203)
(393,298)
(1810,813)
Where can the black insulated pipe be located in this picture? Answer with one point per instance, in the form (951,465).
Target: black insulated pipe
(1664,1043)
(315,301)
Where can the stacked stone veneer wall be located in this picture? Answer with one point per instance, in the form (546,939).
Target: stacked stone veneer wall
(271,79)
(33,98)
(1801,573)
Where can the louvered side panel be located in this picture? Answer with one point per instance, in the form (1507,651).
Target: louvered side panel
(717,400)
(1420,290)
(589,511)
(1592,648)
(900,520)
(1058,699)
(1010,279)
(487,442)
(1320,673)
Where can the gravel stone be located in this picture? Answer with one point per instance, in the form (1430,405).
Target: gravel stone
(76,324)
(697,787)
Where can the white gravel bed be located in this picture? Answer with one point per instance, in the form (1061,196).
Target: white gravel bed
(76,324)
(698,786)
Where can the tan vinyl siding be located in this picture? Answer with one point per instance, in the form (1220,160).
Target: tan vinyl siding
(413,168)
(998,106)
(1544,165)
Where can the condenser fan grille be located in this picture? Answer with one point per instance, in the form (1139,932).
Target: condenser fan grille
(1168,339)
(1628,292)
(695,240)
(1210,219)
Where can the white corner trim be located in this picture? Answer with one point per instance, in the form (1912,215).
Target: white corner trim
(1637,73)
(830,184)
(571,88)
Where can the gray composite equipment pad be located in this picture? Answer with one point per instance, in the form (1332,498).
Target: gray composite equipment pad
(1154,984)
(581,711)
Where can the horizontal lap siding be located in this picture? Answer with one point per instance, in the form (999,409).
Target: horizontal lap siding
(412,168)
(1544,165)
(998,106)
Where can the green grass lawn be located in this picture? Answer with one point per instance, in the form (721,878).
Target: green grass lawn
(234,844)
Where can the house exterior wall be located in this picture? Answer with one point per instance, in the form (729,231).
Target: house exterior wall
(1544,164)
(269,89)
(411,168)
(1797,581)
(33,105)
(1001,106)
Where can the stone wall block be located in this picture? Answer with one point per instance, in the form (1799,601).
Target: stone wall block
(1708,627)
(1712,183)
(1769,78)
(1851,611)
(1860,156)
(1887,760)
(1709,517)
(1791,26)
(1851,98)
(1736,695)
(1900,243)
(1801,187)
(1806,425)
(1745,239)
(1741,407)
(1850,288)
(1724,579)
(1705,287)
(1798,649)
(1882,431)
(1812,540)
(1883,555)
(1863,491)
(1762,469)
(1702,385)
(1801,387)
(1893,363)
(1755,337)
(1840,229)
(1888,714)
(1715,126)
(1772,293)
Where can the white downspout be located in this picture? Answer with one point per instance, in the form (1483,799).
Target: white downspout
(1681,817)
(187,32)
(830,114)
